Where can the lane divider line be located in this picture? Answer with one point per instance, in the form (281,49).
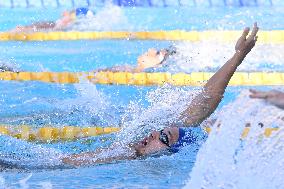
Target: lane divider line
(273,36)
(145,79)
(68,133)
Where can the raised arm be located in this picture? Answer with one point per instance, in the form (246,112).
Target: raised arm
(207,101)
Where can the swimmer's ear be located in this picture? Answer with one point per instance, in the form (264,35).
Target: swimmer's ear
(152,52)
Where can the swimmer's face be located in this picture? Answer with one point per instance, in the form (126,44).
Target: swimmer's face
(66,14)
(157,141)
(151,58)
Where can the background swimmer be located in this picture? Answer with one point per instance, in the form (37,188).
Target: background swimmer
(171,139)
(66,20)
(153,58)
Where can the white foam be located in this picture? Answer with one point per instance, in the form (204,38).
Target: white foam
(224,161)
(109,18)
(27,155)
(211,55)
(166,105)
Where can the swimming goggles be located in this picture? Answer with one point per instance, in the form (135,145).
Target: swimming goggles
(164,138)
(169,51)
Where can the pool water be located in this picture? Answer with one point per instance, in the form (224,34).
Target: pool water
(85,104)
(156,18)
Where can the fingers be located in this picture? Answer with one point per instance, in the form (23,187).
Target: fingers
(258,94)
(253,33)
(245,32)
(253,91)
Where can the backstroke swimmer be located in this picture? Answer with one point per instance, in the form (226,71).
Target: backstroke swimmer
(174,138)
(66,20)
(153,58)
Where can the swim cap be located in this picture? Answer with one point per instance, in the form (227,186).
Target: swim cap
(188,136)
(82,11)
(171,50)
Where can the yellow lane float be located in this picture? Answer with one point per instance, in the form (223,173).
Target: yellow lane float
(67,133)
(275,36)
(49,134)
(145,79)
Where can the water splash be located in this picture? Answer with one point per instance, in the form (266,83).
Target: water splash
(20,154)
(166,105)
(92,105)
(9,66)
(210,55)
(85,107)
(225,161)
(109,18)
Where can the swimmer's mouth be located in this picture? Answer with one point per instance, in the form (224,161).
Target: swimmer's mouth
(145,141)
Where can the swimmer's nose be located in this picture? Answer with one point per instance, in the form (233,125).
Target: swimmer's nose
(154,135)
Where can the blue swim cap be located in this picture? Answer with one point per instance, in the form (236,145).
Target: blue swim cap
(187,136)
(82,11)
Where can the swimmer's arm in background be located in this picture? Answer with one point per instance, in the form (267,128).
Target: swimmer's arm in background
(123,68)
(274,97)
(35,27)
(100,156)
(205,103)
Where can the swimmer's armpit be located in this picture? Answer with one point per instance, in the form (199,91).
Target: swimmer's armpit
(274,97)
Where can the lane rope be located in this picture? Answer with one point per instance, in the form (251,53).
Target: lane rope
(134,3)
(274,36)
(50,134)
(67,133)
(145,79)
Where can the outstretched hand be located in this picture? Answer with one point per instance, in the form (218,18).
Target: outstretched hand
(274,97)
(244,43)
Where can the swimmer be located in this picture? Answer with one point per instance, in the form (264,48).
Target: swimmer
(153,58)
(273,97)
(173,138)
(66,20)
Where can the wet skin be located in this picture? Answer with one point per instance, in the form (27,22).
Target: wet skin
(152,58)
(153,144)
